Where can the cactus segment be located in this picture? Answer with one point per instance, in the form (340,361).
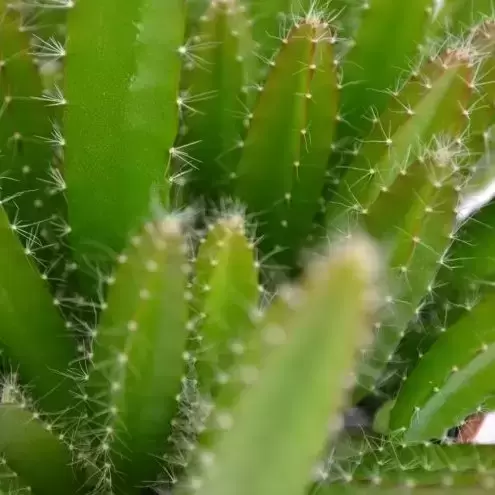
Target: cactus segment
(269,18)
(483,44)
(10,483)
(476,139)
(387,38)
(155,79)
(46,19)
(25,128)
(272,17)
(461,15)
(32,331)
(346,15)
(469,267)
(120,120)
(466,268)
(452,378)
(189,351)
(281,173)
(226,294)
(23,437)
(429,105)
(138,355)
(405,489)
(336,292)
(308,174)
(420,212)
(219,84)
(408,469)
(194,10)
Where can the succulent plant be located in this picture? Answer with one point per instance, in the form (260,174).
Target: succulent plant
(224,224)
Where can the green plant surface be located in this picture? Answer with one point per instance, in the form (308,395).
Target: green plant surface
(384,23)
(424,466)
(138,355)
(10,481)
(462,14)
(428,105)
(33,334)
(22,438)
(226,294)
(401,490)
(464,278)
(46,20)
(219,85)
(436,459)
(285,153)
(451,380)
(481,108)
(466,263)
(414,218)
(235,256)
(337,285)
(469,266)
(404,187)
(25,129)
(270,18)
(120,96)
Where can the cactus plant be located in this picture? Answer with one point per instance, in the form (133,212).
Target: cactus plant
(224,224)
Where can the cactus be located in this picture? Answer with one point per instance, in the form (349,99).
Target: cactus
(226,293)
(295,139)
(457,367)
(27,164)
(130,392)
(225,226)
(219,90)
(22,434)
(130,69)
(337,290)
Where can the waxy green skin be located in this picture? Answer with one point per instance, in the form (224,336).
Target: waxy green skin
(225,292)
(29,193)
(218,88)
(121,85)
(191,307)
(282,152)
(132,394)
(31,320)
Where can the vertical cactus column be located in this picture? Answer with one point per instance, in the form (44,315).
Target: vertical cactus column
(428,104)
(385,42)
(226,296)
(33,335)
(25,130)
(138,358)
(284,160)
(121,83)
(313,340)
(218,97)
(452,379)
(22,437)
(461,14)
(31,321)
(269,19)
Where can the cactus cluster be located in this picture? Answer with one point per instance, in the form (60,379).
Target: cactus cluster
(223,224)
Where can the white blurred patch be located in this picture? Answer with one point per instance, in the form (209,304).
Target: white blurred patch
(477,200)
(486,432)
